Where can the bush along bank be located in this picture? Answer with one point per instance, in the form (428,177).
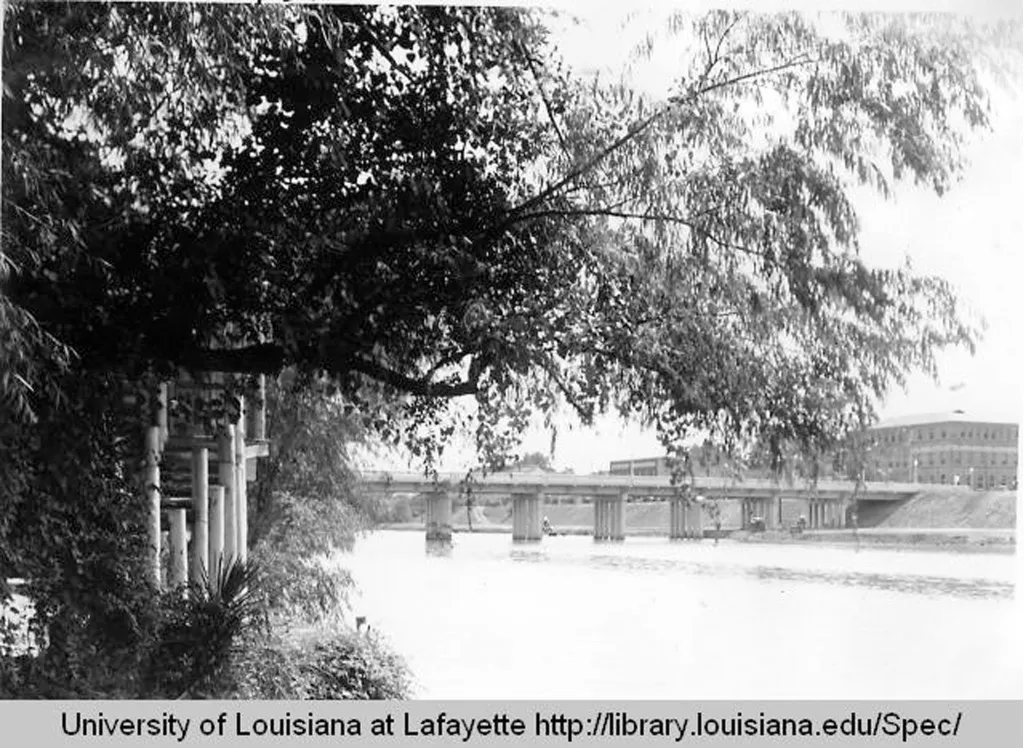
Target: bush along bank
(219,642)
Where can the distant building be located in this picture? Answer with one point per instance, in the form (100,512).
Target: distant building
(705,460)
(941,448)
(644,466)
(944,448)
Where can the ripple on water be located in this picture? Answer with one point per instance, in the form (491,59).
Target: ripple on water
(904,583)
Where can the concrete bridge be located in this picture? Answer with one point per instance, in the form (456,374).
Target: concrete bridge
(827,502)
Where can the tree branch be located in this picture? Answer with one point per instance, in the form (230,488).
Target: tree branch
(269,358)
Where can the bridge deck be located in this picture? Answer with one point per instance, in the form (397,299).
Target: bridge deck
(561,484)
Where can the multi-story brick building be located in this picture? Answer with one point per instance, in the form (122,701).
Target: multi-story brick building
(943,448)
(949,448)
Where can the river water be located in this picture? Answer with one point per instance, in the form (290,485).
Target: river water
(649,619)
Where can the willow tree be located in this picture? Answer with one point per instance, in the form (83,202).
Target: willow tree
(420,205)
(723,287)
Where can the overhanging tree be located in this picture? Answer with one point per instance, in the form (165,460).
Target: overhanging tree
(418,205)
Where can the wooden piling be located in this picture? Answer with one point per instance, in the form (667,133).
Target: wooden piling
(226,478)
(216,553)
(178,547)
(151,491)
(240,489)
(200,514)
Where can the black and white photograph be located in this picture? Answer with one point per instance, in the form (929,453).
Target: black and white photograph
(589,352)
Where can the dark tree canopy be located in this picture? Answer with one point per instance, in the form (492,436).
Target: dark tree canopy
(420,204)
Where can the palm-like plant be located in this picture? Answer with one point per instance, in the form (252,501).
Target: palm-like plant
(201,632)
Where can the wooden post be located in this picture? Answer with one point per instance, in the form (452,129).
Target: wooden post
(200,514)
(226,478)
(260,414)
(241,503)
(177,566)
(216,530)
(161,413)
(151,490)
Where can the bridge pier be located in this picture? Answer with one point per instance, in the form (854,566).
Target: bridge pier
(610,517)
(438,516)
(773,510)
(526,521)
(685,520)
(815,513)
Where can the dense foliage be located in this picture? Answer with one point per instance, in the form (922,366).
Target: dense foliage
(419,204)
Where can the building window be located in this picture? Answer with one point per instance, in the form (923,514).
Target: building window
(942,478)
(943,436)
(931,434)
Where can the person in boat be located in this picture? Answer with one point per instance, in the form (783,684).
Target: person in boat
(546,528)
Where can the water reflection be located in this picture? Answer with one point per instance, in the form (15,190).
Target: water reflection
(440,548)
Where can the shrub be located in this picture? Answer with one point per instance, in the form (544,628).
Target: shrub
(353,666)
(324,666)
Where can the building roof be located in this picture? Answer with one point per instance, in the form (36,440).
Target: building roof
(953,416)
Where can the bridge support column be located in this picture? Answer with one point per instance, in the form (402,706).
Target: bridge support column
(694,521)
(830,510)
(687,519)
(812,513)
(773,510)
(526,524)
(618,506)
(841,519)
(610,517)
(676,525)
(438,516)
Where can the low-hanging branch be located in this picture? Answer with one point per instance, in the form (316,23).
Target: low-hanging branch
(271,358)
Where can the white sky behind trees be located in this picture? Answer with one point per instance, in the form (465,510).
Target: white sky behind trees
(971,236)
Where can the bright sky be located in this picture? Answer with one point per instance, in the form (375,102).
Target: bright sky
(971,237)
